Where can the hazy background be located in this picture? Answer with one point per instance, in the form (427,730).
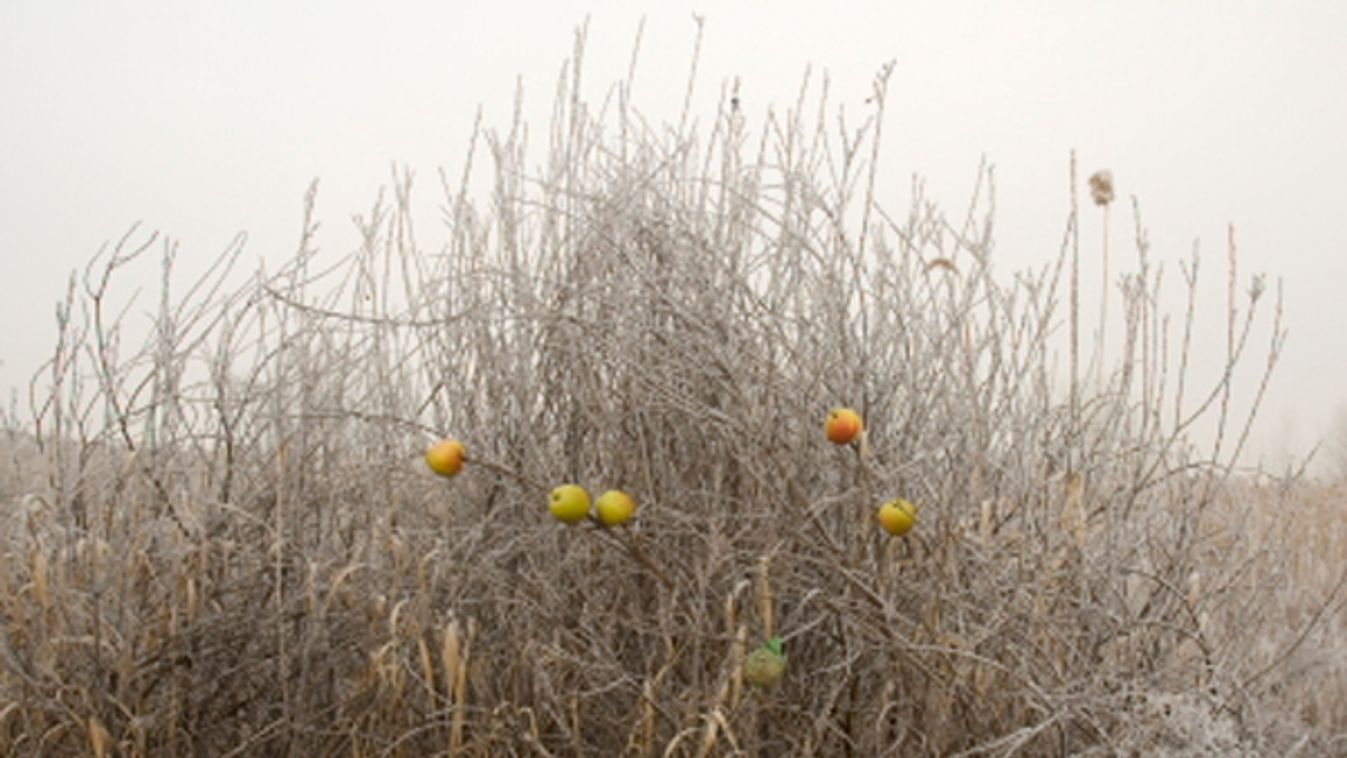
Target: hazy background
(204,120)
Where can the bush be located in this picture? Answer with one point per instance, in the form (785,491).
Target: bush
(238,550)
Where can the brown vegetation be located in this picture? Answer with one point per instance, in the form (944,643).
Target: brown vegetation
(234,547)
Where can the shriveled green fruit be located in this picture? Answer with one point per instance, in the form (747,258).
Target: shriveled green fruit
(765,666)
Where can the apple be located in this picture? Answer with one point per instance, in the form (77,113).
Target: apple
(615,507)
(446,457)
(897,517)
(843,426)
(570,503)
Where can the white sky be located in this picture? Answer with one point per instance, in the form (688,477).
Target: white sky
(206,119)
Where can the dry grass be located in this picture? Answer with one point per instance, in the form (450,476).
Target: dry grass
(233,549)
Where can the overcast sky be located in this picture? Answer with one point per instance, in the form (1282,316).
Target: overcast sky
(202,120)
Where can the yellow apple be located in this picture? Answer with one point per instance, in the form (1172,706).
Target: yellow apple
(843,426)
(615,507)
(897,517)
(446,457)
(570,503)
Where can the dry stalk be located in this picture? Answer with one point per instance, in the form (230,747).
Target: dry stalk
(455,663)
(766,601)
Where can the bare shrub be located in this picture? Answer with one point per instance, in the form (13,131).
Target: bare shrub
(239,551)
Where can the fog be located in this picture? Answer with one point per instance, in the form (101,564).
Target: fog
(203,121)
